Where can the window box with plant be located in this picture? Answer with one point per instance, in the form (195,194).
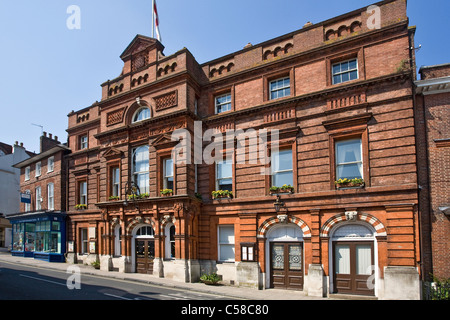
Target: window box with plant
(286,188)
(166,192)
(221,194)
(114,198)
(80,206)
(349,183)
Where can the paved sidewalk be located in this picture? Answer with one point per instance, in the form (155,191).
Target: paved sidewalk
(229,291)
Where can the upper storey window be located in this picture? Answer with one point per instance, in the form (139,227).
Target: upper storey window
(141,114)
(280,88)
(345,71)
(83,142)
(223,103)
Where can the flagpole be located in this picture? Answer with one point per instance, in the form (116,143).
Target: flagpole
(153,18)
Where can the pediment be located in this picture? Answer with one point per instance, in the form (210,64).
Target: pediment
(139,44)
(112,153)
(163,140)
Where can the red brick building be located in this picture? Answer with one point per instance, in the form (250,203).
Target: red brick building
(339,94)
(39,230)
(433,143)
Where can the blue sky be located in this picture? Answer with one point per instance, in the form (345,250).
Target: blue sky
(49,70)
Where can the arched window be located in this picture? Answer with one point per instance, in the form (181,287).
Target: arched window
(145,231)
(141,114)
(141,168)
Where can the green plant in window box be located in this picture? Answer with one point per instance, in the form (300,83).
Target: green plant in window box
(349,183)
(133,197)
(286,188)
(219,194)
(144,195)
(114,198)
(166,192)
(212,279)
(80,206)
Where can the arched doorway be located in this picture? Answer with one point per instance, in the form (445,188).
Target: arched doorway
(284,257)
(353,258)
(144,248)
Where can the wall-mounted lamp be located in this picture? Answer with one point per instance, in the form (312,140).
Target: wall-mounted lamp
(278,204)
(132,192)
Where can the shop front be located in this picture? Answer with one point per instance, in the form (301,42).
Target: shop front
(40,235)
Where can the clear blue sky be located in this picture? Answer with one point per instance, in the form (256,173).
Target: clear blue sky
(48,70)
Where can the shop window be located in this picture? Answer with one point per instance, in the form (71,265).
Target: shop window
(226,243)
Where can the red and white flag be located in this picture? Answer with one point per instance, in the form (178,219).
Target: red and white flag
(156,22)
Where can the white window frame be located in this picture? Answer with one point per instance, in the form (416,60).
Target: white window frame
(83,192)
(349,163)
(281,91)
(38,198)
(140,111)
(27,205)
(115,181)
(218,105)
(84,142)
(84,235)
(218,180)
(38,169)
(275,172)
(51,164)
(166,176)
(27,173)
(136,174)
(223,244)
(51,196)
(344,72)
(169,241)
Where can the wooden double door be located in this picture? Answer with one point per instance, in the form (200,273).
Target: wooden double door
(145,254)
(286,259)
(353,267)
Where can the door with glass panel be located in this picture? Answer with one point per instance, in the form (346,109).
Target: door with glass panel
(145,254)
(286,265)
(353,265)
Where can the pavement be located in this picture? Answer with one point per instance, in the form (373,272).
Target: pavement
(224,290)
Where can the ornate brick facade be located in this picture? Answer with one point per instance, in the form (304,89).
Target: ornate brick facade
(290,84)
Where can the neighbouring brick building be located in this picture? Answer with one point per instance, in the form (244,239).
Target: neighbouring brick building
(341,97)
(433,144)
(39,229)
